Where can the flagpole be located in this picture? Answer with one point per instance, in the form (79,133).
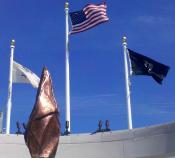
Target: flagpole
(67,69)
(9,102)
(127,83)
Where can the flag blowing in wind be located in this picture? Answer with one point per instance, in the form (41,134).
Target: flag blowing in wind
(90,16)
(142,65)
(23,75)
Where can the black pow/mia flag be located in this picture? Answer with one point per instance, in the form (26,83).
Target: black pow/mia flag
(142,65)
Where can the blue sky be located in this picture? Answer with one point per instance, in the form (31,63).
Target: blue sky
(96,60)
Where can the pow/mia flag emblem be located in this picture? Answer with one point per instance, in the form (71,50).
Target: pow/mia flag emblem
(142,65)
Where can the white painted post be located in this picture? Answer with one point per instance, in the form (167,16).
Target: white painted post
(67,67)
(127,83)
(9,101)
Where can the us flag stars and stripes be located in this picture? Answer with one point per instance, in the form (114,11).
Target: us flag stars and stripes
(90,16)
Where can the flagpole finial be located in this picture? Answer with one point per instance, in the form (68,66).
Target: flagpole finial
(124,40)
(12,44)
(66,5)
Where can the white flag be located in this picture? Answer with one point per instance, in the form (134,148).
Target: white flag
(23,75)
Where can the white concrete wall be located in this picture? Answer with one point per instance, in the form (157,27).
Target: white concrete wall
(152,142)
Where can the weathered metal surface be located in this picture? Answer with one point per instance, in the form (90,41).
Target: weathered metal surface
(43,128)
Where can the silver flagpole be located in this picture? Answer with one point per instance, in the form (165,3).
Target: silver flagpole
(127,83)
(9,102)
(67,69)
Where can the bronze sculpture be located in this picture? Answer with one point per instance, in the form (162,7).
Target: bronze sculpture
(43,128)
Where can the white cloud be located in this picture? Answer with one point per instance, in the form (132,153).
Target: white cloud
(149,19)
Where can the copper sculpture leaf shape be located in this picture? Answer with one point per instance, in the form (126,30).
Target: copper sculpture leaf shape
(43,128)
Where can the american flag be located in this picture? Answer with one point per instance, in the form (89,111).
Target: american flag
(90,16)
